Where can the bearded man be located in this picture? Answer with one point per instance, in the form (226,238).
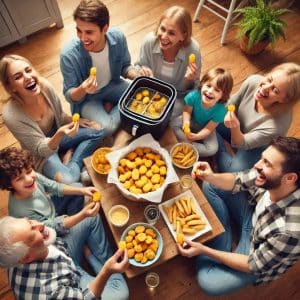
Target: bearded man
(263,204)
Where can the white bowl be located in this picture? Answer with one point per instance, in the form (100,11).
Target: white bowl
(118,215)
(190,148)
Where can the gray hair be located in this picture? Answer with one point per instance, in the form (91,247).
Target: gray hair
(10,253)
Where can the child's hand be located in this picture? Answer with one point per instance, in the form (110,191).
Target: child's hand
(91,209)
(201,170)
(89,191)
(231,120)
(192,136)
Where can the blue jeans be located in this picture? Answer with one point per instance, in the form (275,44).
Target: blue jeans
(213,277)
(84,143)
(242,160)
(68,204)
(91,232)
(93,108)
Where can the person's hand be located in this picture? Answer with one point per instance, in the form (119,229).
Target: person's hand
(190,249)
(231,120)
(145,71)
(192,136)
(118,263)
(91,209)
(202,170)
(191,72)
(89,124)
(69,129)
(89,191)
(90,84)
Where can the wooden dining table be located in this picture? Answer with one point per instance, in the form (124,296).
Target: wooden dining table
(112,196)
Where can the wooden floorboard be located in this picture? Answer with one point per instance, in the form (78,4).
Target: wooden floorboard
(136,18)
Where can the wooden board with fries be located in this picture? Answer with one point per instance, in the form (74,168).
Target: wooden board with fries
(183,214)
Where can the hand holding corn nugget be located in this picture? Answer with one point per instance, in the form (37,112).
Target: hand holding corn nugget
(93,71)
(76,117)
(201,170)
(231,107)
(192,58)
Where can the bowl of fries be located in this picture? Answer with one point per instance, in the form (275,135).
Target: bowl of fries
(184,155)
(99,162)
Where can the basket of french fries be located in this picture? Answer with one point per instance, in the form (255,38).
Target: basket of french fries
(184,155)
(184,216)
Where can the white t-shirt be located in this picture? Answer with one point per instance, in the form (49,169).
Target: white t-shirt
(167,69)
(261,205)
(100,60)
(54,252)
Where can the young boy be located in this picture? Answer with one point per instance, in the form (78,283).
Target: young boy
(29,192)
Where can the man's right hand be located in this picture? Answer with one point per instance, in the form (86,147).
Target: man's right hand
(90,85)
(118,263)
(202,170)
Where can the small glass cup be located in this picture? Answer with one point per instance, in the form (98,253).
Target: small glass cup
(186,182)
(152,280)
(151,213)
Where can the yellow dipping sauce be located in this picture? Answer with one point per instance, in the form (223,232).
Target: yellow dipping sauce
(119,216)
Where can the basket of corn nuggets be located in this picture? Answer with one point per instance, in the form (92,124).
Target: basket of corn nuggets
(142,170)
(184,217)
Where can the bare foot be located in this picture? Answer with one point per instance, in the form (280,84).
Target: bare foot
(67,156)
(108,106)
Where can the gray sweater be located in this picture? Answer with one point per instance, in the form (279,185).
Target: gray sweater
(258,128)
(27,132)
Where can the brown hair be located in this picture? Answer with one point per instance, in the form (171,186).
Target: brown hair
(5,61)
(292,70)
(182,18)
(290,148)
(12,162)
(224,81)
(93,11)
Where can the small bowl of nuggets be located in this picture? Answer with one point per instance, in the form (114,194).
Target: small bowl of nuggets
(184,155)
(99,162)
(143,242)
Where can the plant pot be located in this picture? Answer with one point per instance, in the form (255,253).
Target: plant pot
(255,49)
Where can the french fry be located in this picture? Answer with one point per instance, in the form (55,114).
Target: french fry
(174,216)
(195,222)
(189,206)
(189,230)
(180,208)
(170,214)
(184,205)
(191,217)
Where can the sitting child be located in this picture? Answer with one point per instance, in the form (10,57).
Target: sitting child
(204,109)
(29,191)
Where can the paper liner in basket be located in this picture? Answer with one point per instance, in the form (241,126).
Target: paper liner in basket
(144,141)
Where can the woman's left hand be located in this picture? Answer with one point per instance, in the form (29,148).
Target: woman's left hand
(91,209)
(89,191)
(191,72)
(190,249)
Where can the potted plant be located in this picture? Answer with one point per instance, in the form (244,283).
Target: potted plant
(259,26)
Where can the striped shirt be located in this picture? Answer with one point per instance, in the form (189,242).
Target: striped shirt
(275,241)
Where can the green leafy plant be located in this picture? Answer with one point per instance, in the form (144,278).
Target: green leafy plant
(261,23)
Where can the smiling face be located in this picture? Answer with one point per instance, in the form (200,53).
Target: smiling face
(35,235)
(24,184)
(169,35)
(272,89)
(210,93)
(91,36)
(269,169)
(23,79)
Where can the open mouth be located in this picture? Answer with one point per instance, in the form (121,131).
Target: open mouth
(208,97)
(30,186)
(260,178)
(31,86)
(261,94)
(164,43)
(45,233)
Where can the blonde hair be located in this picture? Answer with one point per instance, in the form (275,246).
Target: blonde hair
(183,20)
(292,70)
(4,77)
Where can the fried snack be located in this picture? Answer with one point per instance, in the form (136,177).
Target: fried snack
(231,107)
(100,163)
(141,244)
(97,197)
(186,128)
(93,71)
(76,117)
(180,238)
(192,58)
(183,155)
(142,171)
(183,217)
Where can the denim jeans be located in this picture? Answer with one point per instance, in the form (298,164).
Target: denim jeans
(84,143)
(91,232)
(68,204)
(242,160)
(213,277)
(93,108)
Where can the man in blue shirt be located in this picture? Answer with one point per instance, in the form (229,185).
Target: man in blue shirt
(95,96)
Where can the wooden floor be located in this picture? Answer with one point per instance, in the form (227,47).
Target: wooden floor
(136,18)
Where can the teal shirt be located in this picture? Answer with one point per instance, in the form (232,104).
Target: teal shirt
(202,115)
(39,205)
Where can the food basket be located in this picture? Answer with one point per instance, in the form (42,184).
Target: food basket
(144,141)
(150,115)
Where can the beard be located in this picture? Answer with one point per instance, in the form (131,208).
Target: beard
(51,237)
(270,183)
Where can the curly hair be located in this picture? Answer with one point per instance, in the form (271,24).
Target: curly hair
(12,162)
